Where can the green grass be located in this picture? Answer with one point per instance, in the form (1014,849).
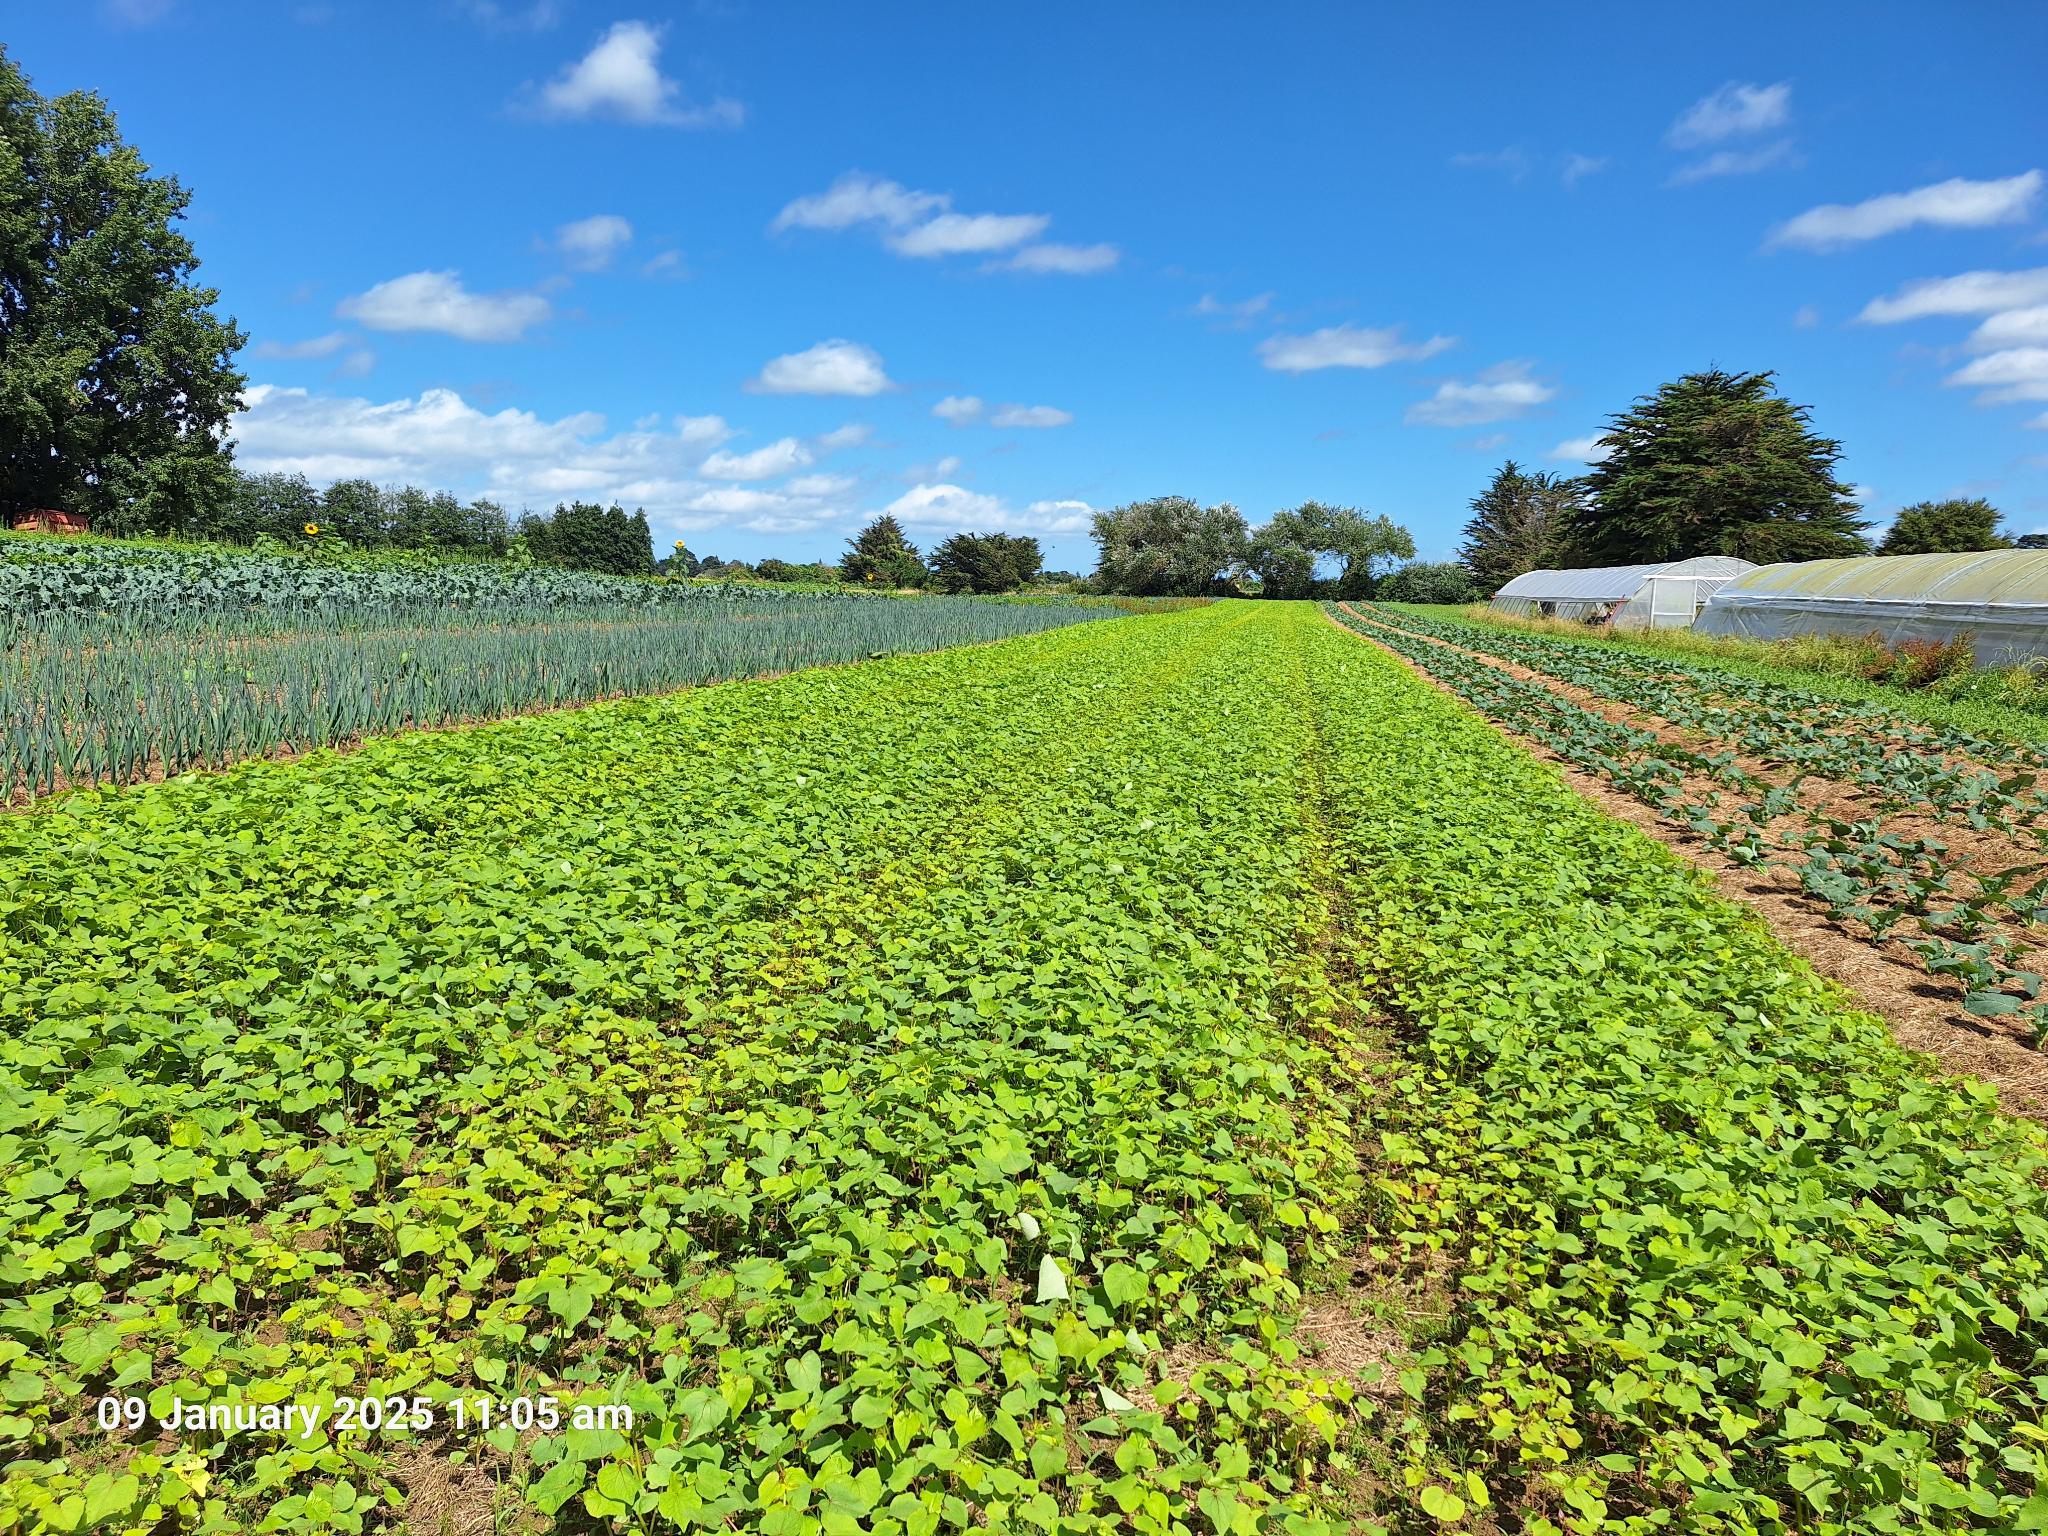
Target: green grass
(1990,703)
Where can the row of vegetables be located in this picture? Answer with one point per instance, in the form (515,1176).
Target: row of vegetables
(1909,763)
(1724,1258)
(86,700)
(153,584)
(926,1094)
(1974,925)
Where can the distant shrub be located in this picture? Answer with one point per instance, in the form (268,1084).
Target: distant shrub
(1838,655)
(1917,663)
(2023,687)
(1428,581)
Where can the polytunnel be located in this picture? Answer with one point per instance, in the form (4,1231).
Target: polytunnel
(1667,595)
(1997,599)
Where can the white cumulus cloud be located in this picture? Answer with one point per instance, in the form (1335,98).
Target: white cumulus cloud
(858,198)
(1582,450)
(518,458)
(329,437)
(1499,393)
(1031,416)
(2018,373)
(925,225)
(1346,346)
(1737,109)
(1059,516)
(590,244)
(778,458)
(965,234)
(1953,204)
(2011,328)
(951,508)
(947,506)
(819,485)
(958,409)
(621,78)
(437,302)
(702,429)
(1967,293)
(834,367)
(1068,260)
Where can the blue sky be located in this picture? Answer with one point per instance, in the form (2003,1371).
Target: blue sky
(769,270)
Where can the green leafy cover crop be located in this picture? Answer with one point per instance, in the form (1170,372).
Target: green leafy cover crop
(756,1057)
(923,1091)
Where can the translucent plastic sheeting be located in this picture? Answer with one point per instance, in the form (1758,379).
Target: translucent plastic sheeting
(1663,596)
(1998,599)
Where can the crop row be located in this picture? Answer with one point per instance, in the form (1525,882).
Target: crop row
(84,700)
(1725,1259)
(1933,770)
(1957,922)
(43,577)
(867,1076)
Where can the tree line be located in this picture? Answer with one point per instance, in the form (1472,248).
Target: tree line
(1713,463)
(882,556)
(360,514)
(1171,546)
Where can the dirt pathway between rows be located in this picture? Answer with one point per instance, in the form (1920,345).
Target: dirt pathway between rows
(1924,1012)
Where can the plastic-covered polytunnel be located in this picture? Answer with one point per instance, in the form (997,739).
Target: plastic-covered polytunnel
(1997,599)
(1664,596)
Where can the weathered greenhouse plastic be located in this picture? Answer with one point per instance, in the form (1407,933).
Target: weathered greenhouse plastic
(1998,599)
(1667,595)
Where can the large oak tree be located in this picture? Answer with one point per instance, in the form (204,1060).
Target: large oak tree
(1287,550)
(116,377)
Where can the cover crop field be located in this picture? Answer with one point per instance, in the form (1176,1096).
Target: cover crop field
(1177,1074)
